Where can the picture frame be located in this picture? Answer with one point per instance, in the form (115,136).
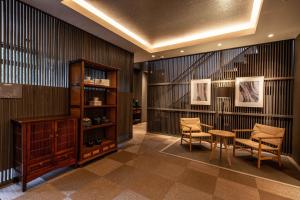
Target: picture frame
(201,92)
(249,92)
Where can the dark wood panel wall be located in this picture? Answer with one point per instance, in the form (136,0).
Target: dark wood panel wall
(169,89)
(296,130)
(35,50)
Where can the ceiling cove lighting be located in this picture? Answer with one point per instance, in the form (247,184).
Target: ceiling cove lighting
(165,44)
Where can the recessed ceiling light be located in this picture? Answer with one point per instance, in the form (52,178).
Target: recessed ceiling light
(181,51)
(153,56)
(220,44)
(162,57)
(270,35)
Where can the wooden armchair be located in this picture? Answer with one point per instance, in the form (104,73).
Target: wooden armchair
(191,131)
(263,139)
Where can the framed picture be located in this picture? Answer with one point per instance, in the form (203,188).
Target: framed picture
(201,92)
(249,91)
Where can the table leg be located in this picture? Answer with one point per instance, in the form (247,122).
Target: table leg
(221,141)
(213,150)
(227,151)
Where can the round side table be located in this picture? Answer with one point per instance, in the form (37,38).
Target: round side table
(222,138)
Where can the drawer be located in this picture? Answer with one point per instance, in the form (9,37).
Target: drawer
(40,167)
(65,157)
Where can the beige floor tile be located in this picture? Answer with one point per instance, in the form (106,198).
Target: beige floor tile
(278,188)
(74,181)
(99,189)
(211,170)
(144,183)
(122,156)
(130,195)
(44,192)
(182,192)
(103,166)
(133,149)
(238,177)
(201,181)
(229,190)
(269,196)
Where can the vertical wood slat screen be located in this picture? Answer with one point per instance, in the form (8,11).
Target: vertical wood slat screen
(35,50)
(169,89)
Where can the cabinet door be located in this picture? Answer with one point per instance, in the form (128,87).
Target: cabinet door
(65,132)
(40,141)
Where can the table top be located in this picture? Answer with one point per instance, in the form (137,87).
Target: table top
(221,133)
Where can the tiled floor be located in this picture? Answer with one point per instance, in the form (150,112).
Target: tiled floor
(140,171)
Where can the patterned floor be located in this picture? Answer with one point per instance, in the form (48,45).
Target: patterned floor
(140,171)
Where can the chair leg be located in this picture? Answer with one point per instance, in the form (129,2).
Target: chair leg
(279,159)
(181,138)
(234,148)
(211,143)
(258,158)
(190,144)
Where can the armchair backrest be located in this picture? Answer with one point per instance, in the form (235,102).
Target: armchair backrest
(194,123)
(261,130)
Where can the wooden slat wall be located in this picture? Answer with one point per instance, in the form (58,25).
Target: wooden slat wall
(169,89)
(35,50)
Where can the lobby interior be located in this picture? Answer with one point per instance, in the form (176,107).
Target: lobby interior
(146,99)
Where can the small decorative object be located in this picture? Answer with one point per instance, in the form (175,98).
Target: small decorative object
(105,119)
(135,103)
(97,120)
(97,140)
(249,91)
(89,142)
(88,80)
(86,122)
(95,102)
(201,92)
(97,81)
(105,82)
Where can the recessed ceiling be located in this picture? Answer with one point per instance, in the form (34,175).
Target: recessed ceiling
(170,24)
(278,17)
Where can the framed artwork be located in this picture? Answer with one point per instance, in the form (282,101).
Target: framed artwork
(201,92)
(249,92)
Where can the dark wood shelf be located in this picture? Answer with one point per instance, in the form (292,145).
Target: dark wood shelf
(99,126)
(103,106)
(99,86)
(80,96)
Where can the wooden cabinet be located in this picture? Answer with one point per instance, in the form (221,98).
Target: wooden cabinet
(44,144)
(99,137)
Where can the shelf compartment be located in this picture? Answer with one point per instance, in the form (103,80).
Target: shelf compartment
(99,86)
(98,126)
(103,106)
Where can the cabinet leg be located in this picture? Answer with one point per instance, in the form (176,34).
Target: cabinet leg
(24,186)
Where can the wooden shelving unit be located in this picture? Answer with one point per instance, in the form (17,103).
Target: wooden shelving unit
(80,95)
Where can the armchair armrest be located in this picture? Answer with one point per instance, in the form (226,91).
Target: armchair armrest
(242,130)
(206,125)
(268,137)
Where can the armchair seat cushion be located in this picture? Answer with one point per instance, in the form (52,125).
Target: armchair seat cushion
(255,145)
(193,128)
(197,134)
